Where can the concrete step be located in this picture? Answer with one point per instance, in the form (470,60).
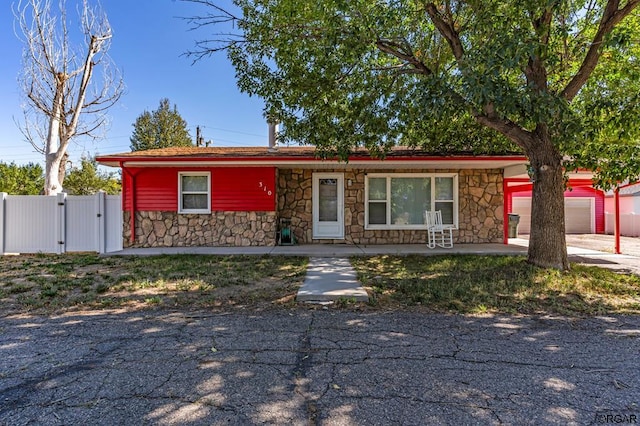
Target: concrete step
(330,279)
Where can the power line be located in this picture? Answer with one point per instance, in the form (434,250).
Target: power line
(228,131)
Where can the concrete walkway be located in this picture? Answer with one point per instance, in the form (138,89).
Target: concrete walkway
(330,279)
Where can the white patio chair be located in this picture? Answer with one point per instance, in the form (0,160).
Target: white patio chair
(437,234)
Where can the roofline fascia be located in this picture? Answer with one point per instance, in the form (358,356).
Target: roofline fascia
(288,161)
(628,185)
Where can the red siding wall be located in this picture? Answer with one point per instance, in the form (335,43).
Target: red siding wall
(154,189)
(579,191)
(243,189)
(232,188)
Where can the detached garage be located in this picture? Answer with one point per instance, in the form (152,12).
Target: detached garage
(584,206)
(580,214)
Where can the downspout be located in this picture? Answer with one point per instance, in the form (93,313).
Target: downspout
(616,226)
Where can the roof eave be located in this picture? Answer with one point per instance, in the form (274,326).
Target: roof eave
(308,161)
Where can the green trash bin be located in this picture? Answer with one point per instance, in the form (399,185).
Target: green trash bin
(286,236)
(514,220)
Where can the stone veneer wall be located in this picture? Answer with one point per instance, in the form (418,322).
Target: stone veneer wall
(171,229)
(480,207)
(481,212)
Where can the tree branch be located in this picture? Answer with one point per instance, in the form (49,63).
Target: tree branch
(535,70)
(402,50)
(223,16)
(521,137)
(610,18)
(446,28)
(443,22)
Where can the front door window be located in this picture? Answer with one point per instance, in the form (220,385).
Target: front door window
(328,200)
(328,206)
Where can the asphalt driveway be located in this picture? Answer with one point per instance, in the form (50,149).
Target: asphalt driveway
(314,366)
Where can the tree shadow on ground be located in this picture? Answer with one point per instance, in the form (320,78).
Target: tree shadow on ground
(507,284)
(315,366)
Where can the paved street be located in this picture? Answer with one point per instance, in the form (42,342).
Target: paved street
(314,366)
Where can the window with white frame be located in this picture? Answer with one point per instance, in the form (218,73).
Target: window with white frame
(399,200)
(194,192)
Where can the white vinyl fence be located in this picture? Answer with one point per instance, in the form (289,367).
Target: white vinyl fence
(60,224)
(629,224)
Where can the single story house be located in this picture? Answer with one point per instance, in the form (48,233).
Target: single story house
(219,196)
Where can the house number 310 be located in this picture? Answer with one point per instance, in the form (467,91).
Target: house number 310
(264,188)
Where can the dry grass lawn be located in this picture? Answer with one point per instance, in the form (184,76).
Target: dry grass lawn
(81,281)
(496,284)
(461,284)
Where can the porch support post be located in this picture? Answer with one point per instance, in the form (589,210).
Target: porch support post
(616,227)
(505,212)
(131,192)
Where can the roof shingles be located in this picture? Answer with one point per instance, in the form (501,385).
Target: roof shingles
(262,152)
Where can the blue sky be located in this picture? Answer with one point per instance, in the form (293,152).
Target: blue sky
(148,40)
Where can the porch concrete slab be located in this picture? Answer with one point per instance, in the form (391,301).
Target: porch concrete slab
(336,250)
(422,249)
(331,279)
(222,251)
(318,250)
(332,250)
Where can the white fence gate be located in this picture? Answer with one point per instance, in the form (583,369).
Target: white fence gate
(42,224)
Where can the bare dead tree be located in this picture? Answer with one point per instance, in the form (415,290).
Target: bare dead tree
(64,96)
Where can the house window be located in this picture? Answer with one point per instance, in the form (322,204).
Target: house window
(398,201)
(194,192)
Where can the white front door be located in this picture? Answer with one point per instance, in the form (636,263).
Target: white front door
(328,205)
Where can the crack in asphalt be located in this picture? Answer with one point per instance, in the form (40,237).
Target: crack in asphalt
(15,395)
(259,374)
(304,363)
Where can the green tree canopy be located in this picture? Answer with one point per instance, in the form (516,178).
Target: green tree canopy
(21,180)
(87,180)
(160,128)
(557,80)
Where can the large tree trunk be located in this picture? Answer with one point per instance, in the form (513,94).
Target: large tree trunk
(52,184)
(547,243)
(62,169)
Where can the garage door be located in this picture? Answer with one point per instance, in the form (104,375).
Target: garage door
(578,212)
